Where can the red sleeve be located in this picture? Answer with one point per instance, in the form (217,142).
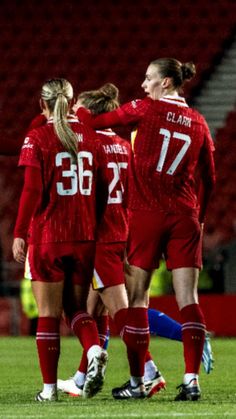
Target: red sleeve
(84,115)
(207,172)
(107,120)
(104,120)
(128,114)
(31,153)
(29,199)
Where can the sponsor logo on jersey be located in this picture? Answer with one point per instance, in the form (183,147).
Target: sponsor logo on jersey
(26,143)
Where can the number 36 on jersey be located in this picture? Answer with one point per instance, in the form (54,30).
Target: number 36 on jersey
(80,178)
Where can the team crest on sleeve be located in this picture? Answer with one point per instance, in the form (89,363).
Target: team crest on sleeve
(134,103)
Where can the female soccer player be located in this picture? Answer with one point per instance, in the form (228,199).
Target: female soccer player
(171,146)
(57,207)
(114,223)
(109,277)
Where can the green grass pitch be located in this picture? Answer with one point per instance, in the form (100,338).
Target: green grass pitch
(20,380)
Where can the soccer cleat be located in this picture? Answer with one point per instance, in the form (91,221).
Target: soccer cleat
(128,392)
(40,398)
(95,374)
(207,355)
(189,391)
(70,387)
(156,384)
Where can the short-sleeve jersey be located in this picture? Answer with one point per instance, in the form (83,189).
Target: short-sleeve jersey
(172,142)
(116,152)
(67,208)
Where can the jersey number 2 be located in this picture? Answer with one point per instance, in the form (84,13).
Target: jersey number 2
(116,168)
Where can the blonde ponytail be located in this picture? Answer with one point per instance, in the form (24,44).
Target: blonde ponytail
(58,93)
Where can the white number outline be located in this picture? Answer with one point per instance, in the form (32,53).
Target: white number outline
(167,137)
(116,168)
(82,155)
(76,173)
(72,173)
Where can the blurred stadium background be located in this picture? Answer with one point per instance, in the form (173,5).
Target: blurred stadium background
(92,42)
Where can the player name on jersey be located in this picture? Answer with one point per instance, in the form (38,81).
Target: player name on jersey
(178,119)
(115,148)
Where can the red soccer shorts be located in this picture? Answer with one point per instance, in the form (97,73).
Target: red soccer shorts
(54,262)
(156,233)
(109,265)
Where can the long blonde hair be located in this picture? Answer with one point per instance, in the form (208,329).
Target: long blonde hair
(58,93)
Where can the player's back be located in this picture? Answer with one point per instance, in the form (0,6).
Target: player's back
(116,153)
(67,208)
(169,139)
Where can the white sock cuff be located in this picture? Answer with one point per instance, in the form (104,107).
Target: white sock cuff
(190,376)
(79,378)
(135,381)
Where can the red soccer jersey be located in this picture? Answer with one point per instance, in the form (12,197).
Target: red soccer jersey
(66,211)
(116,151)
(172,143)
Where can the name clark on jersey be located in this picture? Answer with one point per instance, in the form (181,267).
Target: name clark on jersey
(178,119)
(115,148)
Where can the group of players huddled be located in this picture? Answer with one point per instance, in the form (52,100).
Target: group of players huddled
(96,215)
